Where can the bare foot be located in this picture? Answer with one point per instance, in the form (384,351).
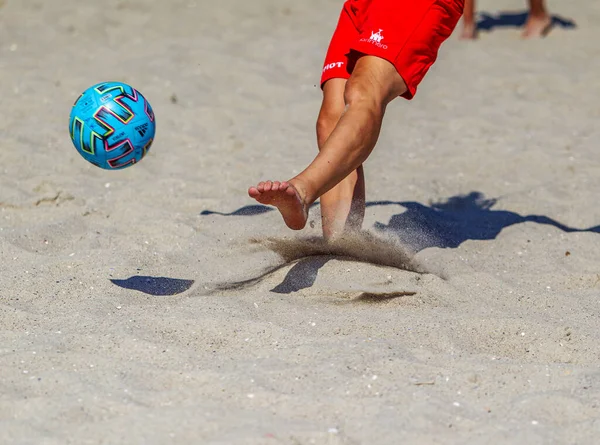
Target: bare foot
(469,32)
(286,198)
(537,26)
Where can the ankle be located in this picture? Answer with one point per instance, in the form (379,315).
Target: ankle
(538,14)
(302,191)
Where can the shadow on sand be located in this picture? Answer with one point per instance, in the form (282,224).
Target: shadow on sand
(444,224)
(507,19)
(157,286)
(450,223)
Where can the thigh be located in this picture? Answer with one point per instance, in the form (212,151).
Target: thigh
(408,34)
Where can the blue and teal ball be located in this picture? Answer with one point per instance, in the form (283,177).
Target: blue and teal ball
(112,125)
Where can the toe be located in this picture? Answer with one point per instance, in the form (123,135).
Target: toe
(268,186)
(275,186)
(291,191)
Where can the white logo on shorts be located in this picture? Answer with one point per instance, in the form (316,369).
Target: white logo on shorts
(375,39)
(333,65)
(376,36)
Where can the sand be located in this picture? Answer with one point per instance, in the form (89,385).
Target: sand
(156,305)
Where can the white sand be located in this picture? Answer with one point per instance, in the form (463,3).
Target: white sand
(497,344)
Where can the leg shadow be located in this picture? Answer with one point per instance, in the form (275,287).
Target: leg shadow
(301,276)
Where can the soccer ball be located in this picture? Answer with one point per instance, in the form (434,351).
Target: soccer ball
(112,125)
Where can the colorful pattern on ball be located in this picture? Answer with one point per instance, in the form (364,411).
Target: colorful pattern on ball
(112,125)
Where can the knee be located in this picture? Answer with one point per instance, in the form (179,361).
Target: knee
(360,92)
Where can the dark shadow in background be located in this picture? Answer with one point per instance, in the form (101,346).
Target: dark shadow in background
(449,223)
(506,19)
(158,286)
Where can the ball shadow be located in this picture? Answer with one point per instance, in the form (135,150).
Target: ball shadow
(157,286)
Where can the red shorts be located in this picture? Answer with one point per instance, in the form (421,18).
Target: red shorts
(407,33)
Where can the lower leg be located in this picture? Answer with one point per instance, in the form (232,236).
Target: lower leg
(469,27)
(537,8)
(538,21)
(342,207)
